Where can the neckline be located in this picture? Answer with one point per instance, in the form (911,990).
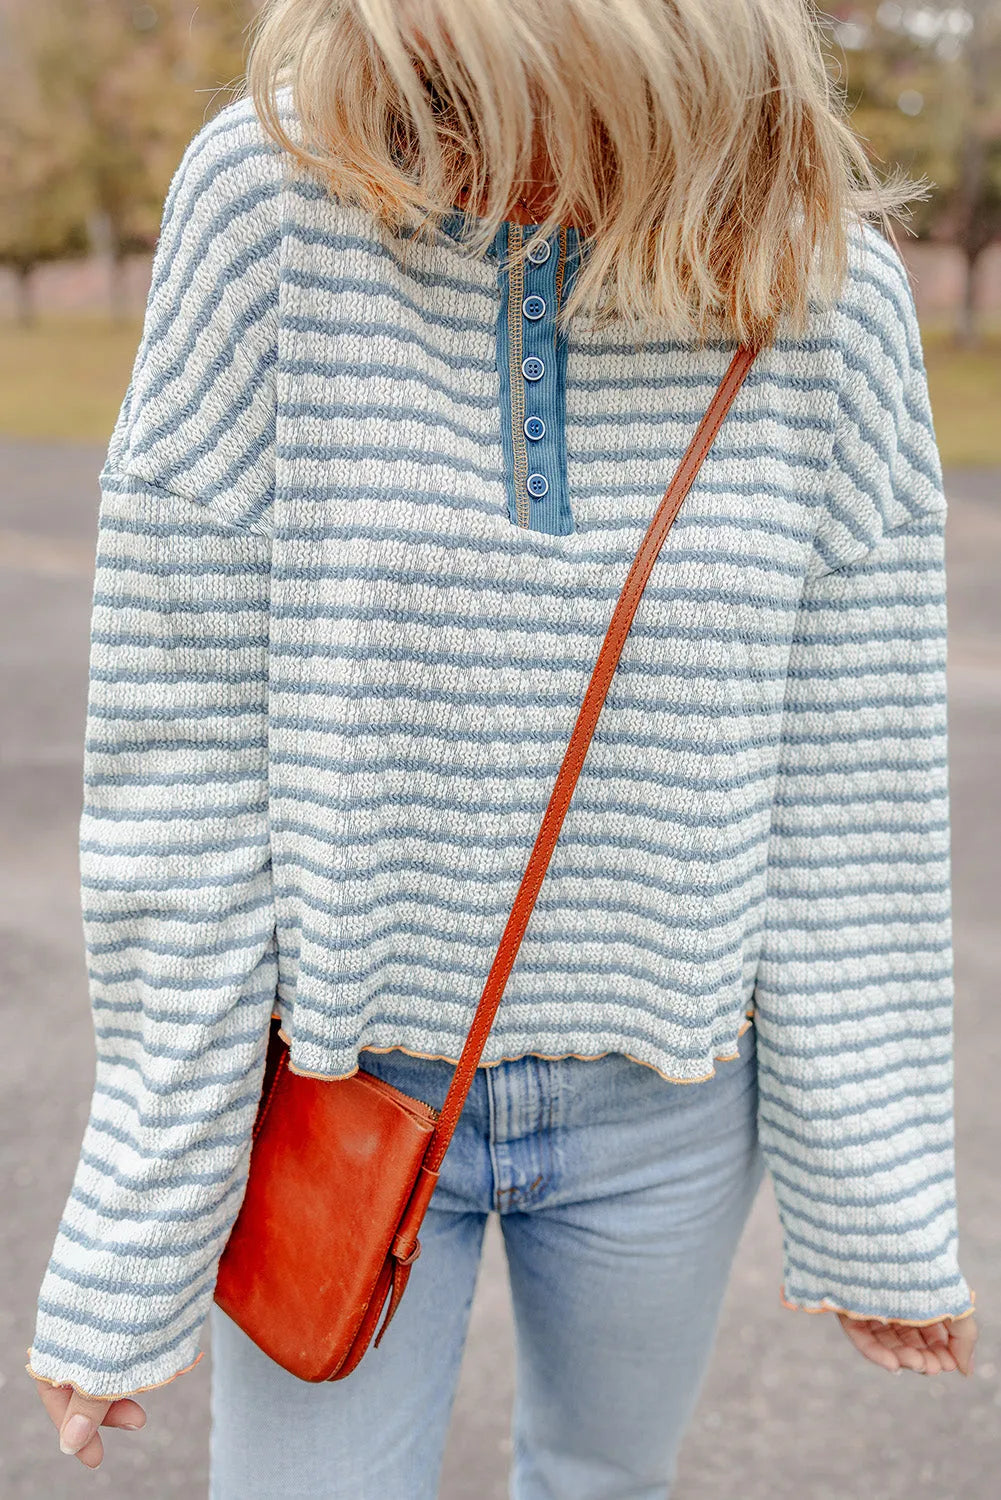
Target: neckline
(457,221)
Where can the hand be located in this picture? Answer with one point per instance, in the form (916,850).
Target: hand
(947,1345)
(78,1419)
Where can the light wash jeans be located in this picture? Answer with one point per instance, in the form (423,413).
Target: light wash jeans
(622,1197)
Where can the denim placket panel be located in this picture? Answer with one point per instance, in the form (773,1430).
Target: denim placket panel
(520,338)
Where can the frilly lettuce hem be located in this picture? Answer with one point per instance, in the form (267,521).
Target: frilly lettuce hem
(117,1395)
(875,1317)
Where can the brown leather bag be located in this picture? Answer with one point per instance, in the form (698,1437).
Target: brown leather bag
(342,1170)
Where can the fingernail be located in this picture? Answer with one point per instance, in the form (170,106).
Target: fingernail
(75,1433)
(133,1426)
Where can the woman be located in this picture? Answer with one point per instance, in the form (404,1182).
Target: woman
(431,323)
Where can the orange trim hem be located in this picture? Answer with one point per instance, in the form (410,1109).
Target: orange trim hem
(877,1317)
(546,1056)
(119,1395)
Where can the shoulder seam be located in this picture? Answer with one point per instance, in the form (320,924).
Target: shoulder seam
(916,519)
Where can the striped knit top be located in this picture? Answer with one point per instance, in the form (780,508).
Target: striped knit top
(339,641)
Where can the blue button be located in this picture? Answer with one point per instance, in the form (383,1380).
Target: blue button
(540,252)
(537,485)
(532,368)
(535,428)
(533,307)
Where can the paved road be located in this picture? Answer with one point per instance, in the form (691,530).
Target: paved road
(789,1413)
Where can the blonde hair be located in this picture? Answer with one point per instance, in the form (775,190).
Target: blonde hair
(701,148)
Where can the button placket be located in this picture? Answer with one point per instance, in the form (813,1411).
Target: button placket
(536,336)
(534,375)
(515,380)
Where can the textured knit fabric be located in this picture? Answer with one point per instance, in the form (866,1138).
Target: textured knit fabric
(332,683)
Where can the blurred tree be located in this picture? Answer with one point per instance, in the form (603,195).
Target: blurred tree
(112,92)
(43,200)
(923,82)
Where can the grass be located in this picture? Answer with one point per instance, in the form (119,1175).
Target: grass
(965,387)
(65,378)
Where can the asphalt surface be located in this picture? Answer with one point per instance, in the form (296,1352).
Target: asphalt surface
(790,1412)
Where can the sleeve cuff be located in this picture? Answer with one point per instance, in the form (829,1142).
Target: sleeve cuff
(825,1305)
(105,1395)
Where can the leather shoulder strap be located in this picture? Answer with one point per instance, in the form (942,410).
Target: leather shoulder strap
(580,739)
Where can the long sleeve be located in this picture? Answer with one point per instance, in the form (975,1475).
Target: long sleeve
(854,990)
(175,869)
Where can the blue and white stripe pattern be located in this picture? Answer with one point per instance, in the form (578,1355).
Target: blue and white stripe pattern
(331,686)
